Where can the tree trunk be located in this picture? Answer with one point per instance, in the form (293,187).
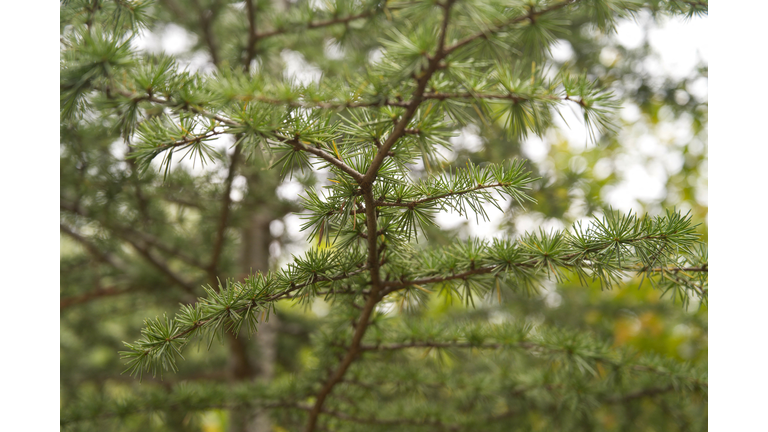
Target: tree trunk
(255,258)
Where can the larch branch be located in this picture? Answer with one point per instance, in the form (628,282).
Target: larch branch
(527,17)
(422,79)
(371,223)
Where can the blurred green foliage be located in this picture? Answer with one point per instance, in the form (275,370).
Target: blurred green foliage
(135,243)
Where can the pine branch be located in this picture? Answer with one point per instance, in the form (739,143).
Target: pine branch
(393,286)
(530,16)
(422,79)
(295,143)
(466,186)
(322,154)
(316,24)
(363,319)
(134,97)
(187,141)
(382,421)
(414,203)
(225,309)
(386,101)
(615,246)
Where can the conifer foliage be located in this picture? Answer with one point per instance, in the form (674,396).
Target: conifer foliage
(377,362)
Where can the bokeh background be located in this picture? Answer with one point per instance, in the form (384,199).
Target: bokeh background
(135,246)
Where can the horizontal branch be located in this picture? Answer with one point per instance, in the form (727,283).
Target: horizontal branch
(380,421)
(386,101)
(528,345)
(438,197)
(131,235)
(527,17)
(91,295)
(277,296)
(140,248)
(338,163)
(94,250)
(190,140)
(296,143)
(403,283)
(313,25)
(432,344)
(167,102)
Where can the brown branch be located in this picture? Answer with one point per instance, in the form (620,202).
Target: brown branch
(218,245)
(141,249)
(440,96)
(527,17)
(379,421)
(253,37)
(703,269)
(431,344)
(529,345)
(400,284)
(298,145)
(169,103)
(437,197)
(314,25)
(173,252)
(94,250)
(163,267)
(127,234)
(422,79)
(365,314)
(363,320)
(206,21)
(371,222)
(186,141)
(91,295)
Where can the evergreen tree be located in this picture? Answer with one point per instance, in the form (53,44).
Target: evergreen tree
(423,331)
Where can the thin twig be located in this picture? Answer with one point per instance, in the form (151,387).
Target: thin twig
(218,245)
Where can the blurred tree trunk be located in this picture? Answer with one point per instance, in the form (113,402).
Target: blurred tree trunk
(256,238)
